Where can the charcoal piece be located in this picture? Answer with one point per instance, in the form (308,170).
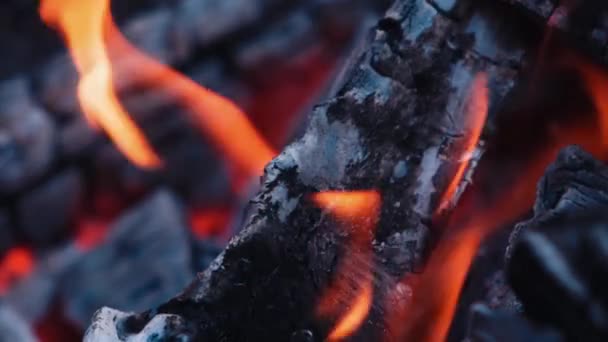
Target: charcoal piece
(13,327)
(583,23)
(32,296)
(556,260)
(77,139)
(217,76)
(45,213)
(152,33)
(56,85)
(27,137)
(488,325)
(7,235)
(144,259)
(107,326)
(574,183)
(203,22)
(454,8)
(281,41)
(552,272)
(542,8)
(402,102)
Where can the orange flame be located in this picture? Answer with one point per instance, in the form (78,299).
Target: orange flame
(476,114)
(17,263)
(82,23)
(428,315)
(356,314)
(354,283)
(349,206)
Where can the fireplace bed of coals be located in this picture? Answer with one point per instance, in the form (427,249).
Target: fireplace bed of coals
(314,170)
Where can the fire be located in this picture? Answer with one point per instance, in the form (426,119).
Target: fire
(596,81)
(353,285)
(355,316)
(99,49)
(349,206)
(17,263)
(428,315)
(82,23)
(476,113)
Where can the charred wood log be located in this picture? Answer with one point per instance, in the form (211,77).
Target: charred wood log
(557,262)
(391,125)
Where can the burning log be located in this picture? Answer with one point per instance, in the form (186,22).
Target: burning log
(404,122)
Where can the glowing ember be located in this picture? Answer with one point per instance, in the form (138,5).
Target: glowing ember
(209,222)
(476,113)
(17,263)
(91,233)
(350,206)
(352,288)
(82,23)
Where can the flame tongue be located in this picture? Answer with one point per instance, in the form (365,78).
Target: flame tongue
(99,49)
(82,23)
(354,283)
(476,114)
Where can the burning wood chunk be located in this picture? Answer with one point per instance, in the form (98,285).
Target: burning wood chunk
(404,106)
(557,260)
(27,137)
(144,259)
(45,213)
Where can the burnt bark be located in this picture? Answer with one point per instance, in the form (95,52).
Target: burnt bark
(391,126)
(554,289)
(557,260)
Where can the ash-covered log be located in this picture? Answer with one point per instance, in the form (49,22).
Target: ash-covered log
(392,126)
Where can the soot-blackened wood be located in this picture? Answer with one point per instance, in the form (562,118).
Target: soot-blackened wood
(582,22)
(392,127)
(557,260)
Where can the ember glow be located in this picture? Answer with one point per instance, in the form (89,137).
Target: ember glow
(103,55)
(350,206)
(350,294)
(82,24)
(428,315)
(596,81)
(355,315)
(209,222)
(91,233)
(475,117)
(17,263)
